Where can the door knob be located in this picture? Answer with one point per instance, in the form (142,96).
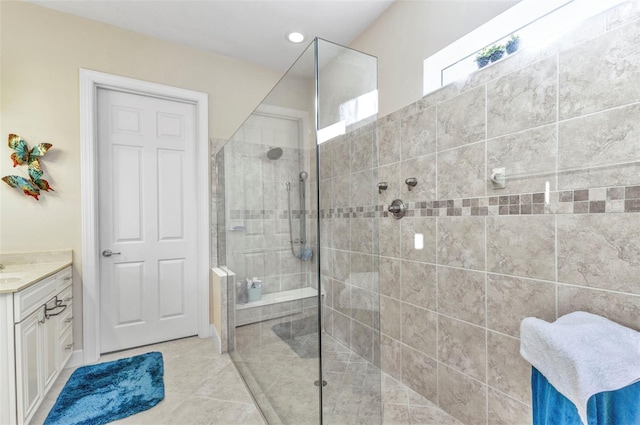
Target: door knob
(109,253)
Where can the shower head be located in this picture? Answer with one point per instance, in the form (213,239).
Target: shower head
(274,153)
(303,175)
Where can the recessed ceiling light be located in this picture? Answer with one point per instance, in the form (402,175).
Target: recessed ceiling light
(295,37)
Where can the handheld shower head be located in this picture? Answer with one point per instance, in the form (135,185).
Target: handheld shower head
(303,175)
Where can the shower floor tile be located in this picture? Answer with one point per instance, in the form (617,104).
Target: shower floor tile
(281,375)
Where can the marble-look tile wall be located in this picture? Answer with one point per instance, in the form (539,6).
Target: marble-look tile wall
(349,246)
(567,115)
(252,236)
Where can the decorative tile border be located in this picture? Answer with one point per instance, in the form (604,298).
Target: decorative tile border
(617,199)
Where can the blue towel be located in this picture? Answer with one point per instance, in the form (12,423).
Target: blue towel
(620,407)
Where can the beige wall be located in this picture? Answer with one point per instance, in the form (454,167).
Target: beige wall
(41,52)
(409,32)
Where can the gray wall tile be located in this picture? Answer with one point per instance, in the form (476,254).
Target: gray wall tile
(615,55)
(391,317)
(391,356)
(461,294)
(620,308)
(419,372)
(461,242)
(524,298)
(521,246)
(363,153)
(462,346)
(419,284)
(522,99)
(424,169)
(526,153)
(606,138)
(601,251)
(504,410)
(462,397)
(410,226)
(419,134)
(390,277)
(461,120)
(388,146)
(461,172)
(419,329)
(508,371)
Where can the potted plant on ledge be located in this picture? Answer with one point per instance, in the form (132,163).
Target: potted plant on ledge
(483,58)
(496,52)
(489,54)
(513,43)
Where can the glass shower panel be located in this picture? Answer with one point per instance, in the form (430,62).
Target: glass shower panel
(347,115)
(273,303)
(278,205)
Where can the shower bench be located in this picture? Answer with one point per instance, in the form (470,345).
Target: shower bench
(276,304)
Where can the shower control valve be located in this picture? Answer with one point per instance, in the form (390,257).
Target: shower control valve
(411,182)
(397,209)
(382,186)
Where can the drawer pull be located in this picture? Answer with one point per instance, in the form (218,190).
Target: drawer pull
(68,320)
(50,312)
(68,299)
(69,346)
(66,279)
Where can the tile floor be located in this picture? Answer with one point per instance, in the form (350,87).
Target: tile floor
(201,387)
(280,372)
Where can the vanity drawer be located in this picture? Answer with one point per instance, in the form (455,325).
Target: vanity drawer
(66,347)
(65,320)
(66,296)
(64,277)
(27,301)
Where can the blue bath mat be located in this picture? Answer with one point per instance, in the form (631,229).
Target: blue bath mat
(105,392)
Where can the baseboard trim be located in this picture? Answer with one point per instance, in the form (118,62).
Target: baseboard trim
(76,359)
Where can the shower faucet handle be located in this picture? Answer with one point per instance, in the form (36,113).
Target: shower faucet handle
(382,186)
(397,209)
(411,182)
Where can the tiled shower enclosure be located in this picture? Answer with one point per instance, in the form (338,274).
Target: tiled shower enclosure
(435,299)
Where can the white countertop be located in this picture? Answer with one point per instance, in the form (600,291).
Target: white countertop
(23,270)
(28,274)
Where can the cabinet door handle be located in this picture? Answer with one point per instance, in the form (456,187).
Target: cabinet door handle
(69,346)
(68,299)
(68,320)
(66,279)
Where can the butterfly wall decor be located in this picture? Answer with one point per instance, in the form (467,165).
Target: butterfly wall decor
(22,155)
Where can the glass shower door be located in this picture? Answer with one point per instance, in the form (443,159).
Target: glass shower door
(296,320)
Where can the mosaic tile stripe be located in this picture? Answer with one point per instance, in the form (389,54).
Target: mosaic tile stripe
(617,199)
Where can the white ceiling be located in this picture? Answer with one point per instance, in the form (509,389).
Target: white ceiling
(250,30)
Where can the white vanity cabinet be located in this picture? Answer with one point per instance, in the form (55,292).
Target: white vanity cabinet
(43,341)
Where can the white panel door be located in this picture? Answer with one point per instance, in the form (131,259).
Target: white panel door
(148,288)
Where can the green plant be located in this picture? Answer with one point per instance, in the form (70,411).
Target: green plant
(483,57)
(512,43)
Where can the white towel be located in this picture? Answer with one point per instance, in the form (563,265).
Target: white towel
(582,354)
